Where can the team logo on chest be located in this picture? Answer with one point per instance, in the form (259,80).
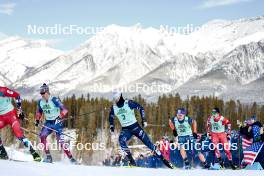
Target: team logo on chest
(46,108)
(121,111)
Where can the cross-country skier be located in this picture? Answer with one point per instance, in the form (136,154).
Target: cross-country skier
(53,111)
(185,128)
(124,110)
(9,116)
(216,124)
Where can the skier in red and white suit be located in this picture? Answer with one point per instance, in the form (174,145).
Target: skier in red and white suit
(9,116)
(216,124)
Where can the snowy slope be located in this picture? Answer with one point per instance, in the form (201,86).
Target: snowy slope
(10,168)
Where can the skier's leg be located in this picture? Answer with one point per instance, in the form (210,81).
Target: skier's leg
(215,141)
(15,125)
(124,136)
(3,153)
(183,143)
(140,133)
(43,139)
(60,139)
(201,155)
(224,141)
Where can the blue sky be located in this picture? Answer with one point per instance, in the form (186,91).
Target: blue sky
(16,15)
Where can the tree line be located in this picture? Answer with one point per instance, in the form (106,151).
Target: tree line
(89,116)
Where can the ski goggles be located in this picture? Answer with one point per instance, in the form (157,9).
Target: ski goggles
(213,112)
(42,93)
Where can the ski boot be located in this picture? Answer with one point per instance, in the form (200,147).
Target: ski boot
(73,161)
(3,153)
(166,162)
(232,165)
(131,160)
(35,155)
(48,159)
(220,162)
(187,164)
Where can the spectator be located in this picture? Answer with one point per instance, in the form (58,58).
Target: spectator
(141,162)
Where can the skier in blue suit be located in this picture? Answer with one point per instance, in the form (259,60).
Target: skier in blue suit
(124,110)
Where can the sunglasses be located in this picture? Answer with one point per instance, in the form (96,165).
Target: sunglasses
(42,93)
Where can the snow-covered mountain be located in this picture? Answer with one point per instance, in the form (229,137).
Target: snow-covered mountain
(207,61)
(18,56)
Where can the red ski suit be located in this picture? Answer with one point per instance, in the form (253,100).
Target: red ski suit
(10,118)
(220,137)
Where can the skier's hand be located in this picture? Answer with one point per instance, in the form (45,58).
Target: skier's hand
(144,124)
(195,136)
(20,114)
(209,135)
(58,121)
(228,136)
(175,134)
(36,123)
(112,129)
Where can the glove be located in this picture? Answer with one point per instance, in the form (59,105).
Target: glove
(209,135)
(228,136)
(195,136)
(21,115)
(112,129)
(58,120)
(144,123)
(36,123)
(175,134)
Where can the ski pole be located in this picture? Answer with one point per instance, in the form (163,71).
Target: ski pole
(156,125)
(52,129)
(44,126)
(91,112)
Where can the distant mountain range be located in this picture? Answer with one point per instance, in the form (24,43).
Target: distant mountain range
(223,58)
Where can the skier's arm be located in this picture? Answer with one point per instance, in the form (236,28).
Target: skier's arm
(111,119)
(58,103)
(38,112)
(6,92)
(194,125)
(172,126)
(208,125)
(228,124)
(134,105)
